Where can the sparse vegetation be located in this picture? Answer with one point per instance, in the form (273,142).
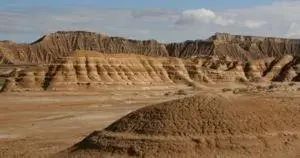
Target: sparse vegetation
(181,92)
(292,84)
(274,86)
(167,93)
(226,89)
(240,90)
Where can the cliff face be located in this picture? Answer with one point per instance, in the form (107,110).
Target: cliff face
(62,44)
(94,70)
(253,47)
(190,49)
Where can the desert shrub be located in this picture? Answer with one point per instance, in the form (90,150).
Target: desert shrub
(274,86)
(260,87)
(181,92)
(240,90)
(167,94)
(226,89)
(292,84)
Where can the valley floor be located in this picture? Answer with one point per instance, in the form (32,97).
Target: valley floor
(37,124)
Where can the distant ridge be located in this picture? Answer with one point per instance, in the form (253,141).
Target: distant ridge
(62,43)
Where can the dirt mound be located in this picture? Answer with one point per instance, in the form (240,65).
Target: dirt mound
(93,70)
(200,126)
(62,44)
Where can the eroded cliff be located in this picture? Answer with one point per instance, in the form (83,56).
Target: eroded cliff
(62,44)
(93,70)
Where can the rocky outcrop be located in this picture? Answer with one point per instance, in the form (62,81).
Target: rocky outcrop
(189,49)
(62,44)
(253,47)
(93,70)
(283,69)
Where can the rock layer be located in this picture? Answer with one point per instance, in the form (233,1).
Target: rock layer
(200,126)
(93,70)
(62,44)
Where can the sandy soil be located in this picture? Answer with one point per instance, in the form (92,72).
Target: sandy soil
(41,124)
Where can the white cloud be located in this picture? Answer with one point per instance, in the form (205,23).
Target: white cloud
(224,22)
(294,31)
(254,24)
(198,15)
(194,16)
(209,17)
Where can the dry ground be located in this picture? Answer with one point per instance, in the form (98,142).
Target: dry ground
(40,124)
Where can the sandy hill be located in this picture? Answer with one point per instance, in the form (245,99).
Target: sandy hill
(200,126)
(62,44)
(86,70)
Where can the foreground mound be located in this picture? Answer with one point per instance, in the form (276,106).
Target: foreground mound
(200,126)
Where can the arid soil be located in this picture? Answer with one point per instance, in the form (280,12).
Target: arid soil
(37,124)
(205,125)
(227,96)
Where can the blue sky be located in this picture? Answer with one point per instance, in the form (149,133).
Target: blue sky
(164,20)
(176,4)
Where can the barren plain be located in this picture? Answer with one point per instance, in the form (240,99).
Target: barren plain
(82,94)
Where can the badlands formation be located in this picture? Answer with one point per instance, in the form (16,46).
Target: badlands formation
(86,70)
(227,96)
(62,44)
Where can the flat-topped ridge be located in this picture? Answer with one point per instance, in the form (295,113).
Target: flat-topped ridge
(63,43)
(226,37)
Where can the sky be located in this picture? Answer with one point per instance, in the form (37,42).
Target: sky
(163,20)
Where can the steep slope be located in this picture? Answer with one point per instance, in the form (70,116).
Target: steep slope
(253,47)
(93,70)
(282,69)
(86,70)
(201,126)
(62,44)
(189,49)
